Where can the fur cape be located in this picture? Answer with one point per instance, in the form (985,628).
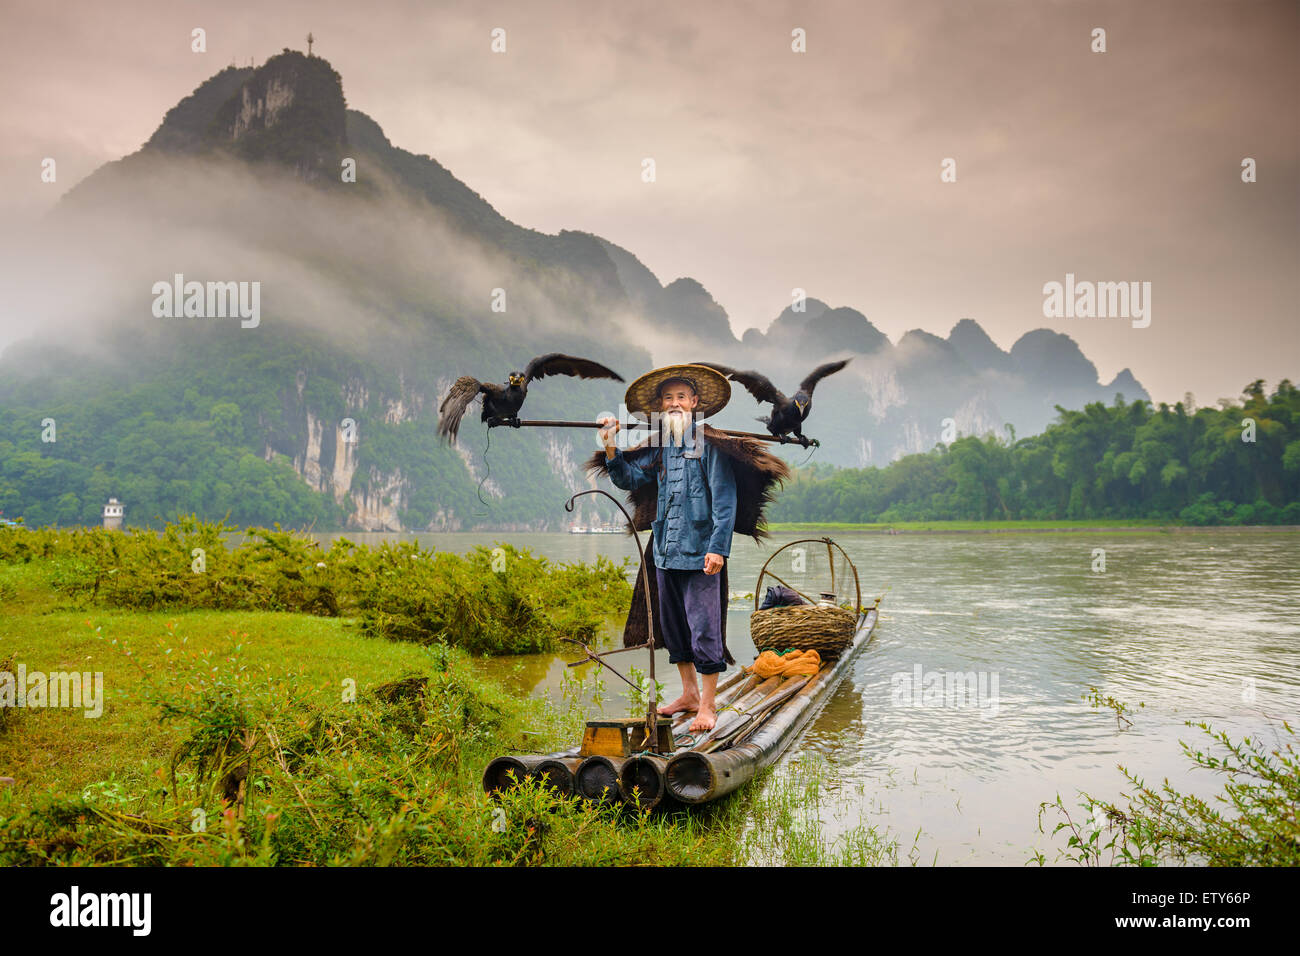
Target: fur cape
(758,475)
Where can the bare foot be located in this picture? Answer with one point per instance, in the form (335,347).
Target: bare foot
(704,720)
(681,704)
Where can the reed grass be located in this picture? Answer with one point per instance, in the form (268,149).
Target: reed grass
(785,823)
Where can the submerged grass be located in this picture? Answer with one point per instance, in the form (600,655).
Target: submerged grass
(784,823)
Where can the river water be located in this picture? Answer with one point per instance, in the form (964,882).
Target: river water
(1194,625)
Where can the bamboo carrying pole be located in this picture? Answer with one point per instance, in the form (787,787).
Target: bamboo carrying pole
(543,423)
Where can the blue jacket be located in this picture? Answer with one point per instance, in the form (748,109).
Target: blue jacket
(697,499)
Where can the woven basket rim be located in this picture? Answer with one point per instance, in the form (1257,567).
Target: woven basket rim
(804,607)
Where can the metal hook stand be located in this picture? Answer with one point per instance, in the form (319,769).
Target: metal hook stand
(652,711)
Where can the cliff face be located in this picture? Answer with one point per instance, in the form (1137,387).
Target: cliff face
(326,455)
(290,111)
(376,507)
(184,129)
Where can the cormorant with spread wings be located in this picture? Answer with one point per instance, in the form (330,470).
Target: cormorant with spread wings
(788,414)
(504,401)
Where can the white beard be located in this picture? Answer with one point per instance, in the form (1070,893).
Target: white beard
(672,426)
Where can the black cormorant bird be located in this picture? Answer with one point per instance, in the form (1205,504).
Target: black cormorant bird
(788,414)
(504,401)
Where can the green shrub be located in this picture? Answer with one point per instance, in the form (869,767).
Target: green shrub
(491,601)
(1254,824)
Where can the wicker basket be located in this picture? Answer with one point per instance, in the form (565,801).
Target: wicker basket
(804,627)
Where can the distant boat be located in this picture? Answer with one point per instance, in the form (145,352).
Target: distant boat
(578,529)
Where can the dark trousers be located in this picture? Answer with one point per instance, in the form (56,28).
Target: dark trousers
(690,614)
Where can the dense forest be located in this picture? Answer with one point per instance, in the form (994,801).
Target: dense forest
(193,440)
(185,428)
(1234,464)
(184,441)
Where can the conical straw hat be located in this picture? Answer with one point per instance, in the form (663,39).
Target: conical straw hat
(710,385)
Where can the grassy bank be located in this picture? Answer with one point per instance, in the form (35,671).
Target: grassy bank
(251,736)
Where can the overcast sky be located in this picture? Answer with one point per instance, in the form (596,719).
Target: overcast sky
(775,169)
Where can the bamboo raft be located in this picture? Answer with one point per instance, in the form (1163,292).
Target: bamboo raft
(757,720)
